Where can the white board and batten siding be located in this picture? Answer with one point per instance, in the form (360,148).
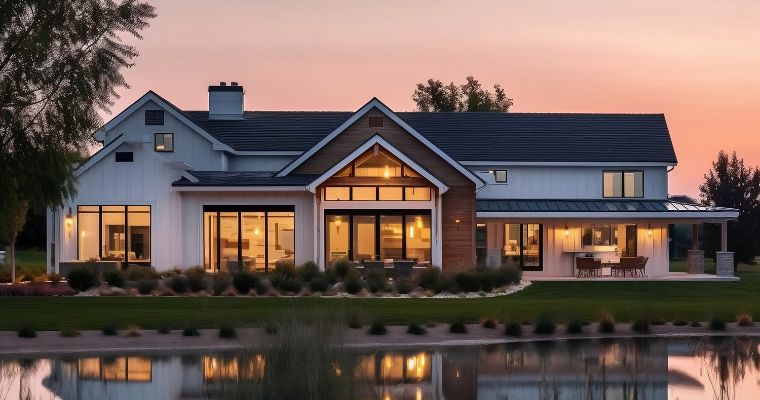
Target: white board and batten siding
(563,182)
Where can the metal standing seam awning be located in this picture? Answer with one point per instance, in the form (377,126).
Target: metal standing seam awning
(600,208)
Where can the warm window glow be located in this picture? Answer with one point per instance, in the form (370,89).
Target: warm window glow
(417,193)
(117,239)
(333,193)
(164,142)
(377,164)
(623,184)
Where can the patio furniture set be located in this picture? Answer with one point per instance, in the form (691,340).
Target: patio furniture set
(588,267)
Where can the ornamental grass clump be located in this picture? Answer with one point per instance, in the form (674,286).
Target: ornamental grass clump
(680,322)
(27,332)
(641,326)
(69,332)
(415,328)
(695,324)
(354,319)
(197,279)
(341,267)
(458,327)
(717,324)
(308,271)
(110,329)
(744,320)
(544,326)
(404,286)
(428,278)
(244,281)
(468,281)
(574,327)
(82,278)
(353,282)
(318,284)
(133,331)
(606,323)
(146,286)
(220,281)
(137,272)
(190,331)
(164,329)
(378,327)
(115,278)
(513,328)
(489,323)
(227,332)
(376,281)
(179,284)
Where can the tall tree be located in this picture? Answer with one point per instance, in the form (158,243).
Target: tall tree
(435,96)
(60,64)
(732,184)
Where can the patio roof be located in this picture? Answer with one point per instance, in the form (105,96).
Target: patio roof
(600,208)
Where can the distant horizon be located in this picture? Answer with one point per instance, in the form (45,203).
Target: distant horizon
(696,62)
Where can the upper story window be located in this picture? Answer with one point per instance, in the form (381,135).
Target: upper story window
(500,175)
(382,193)
(164,142)
(154,117)
(377,164)
(623,184)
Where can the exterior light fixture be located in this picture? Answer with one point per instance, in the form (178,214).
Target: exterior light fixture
(387,173)
(567,231)
(456,221)
(69,220)
(649,230)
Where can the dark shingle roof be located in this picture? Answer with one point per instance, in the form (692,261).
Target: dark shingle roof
(241,178)
(601,205)
(526,137)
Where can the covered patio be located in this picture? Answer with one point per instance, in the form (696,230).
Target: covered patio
(597,239)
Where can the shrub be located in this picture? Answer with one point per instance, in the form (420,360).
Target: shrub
(243,281)
(227,332)
(55,278)
(404,286)
(641,326)
(27,332)
(164,329)
(82,278)
(544,326)
(680,322)
(285,268)
(190,331)
(196,279)
(744,320)
(376,280)
(353,282)
(658,321)
(717,324)
(507,274)
(487,281)
(448,284)
(308,271)
(489,323)
(695,324)
(138,272)
(110,330)
(270,328)
(377,328)
(354,320)
(415,329)
(468,281)
(428,278)
(318,284)
(286,283)
(68,332)
(147,285)
(35,289)
(115,278)
(179,284)
(607,324)
(341,267)
(219,283)
(458,327)
(513,328)
(133,331)
(262,287)
(574,327)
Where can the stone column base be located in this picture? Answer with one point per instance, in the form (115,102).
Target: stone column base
(695,262)
(724,263)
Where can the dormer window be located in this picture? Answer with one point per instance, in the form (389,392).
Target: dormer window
(154,117)
(500,175)
(163,142)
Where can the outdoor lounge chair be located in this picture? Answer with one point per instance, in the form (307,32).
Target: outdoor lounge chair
(588,267)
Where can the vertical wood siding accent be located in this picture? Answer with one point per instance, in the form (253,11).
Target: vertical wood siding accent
(457,203)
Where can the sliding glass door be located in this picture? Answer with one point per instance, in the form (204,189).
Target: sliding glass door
(361,235)
(523,246)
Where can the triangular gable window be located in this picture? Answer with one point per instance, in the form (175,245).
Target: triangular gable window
(377,163)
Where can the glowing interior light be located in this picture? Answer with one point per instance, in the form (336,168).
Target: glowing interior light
(387,172)
(411,232)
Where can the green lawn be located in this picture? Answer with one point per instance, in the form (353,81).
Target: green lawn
(559,300)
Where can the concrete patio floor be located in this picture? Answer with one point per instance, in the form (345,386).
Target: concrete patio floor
(672,277)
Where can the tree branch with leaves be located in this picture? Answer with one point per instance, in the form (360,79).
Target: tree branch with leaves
(470,96)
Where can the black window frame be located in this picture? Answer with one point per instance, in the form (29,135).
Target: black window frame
(124,156)
(239,209)
(377,192)
(622,173)
(154,117)
(163,139)
(506,176)
(374,213)
(127,239)
(540,266)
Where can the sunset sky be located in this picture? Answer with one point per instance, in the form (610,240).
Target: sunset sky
(698,62)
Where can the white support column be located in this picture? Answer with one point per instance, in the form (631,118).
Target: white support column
(724,236)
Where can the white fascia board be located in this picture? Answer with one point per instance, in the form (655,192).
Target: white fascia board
(239,189)
(258,153)
(171,109)
(375,103)
(565,164)
(99,155)
(377,139)
(718,216)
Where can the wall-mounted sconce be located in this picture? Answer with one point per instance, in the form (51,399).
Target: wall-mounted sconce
(69,221)
(456,221)
(567,231)
(649,230)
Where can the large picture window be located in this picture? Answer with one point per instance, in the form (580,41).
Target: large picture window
(114,233)
(247,237)
(623,184)
(361,235)
(620,236)
(523,246)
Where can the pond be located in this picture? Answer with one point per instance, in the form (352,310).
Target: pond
(704,368)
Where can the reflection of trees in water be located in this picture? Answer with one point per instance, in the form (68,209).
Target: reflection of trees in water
(726,361)
(20,370)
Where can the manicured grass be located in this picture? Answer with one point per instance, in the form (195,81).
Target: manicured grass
(560,301)
(30,258)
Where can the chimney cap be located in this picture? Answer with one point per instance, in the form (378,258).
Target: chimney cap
(233,83)
(222,87)
(222,83)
